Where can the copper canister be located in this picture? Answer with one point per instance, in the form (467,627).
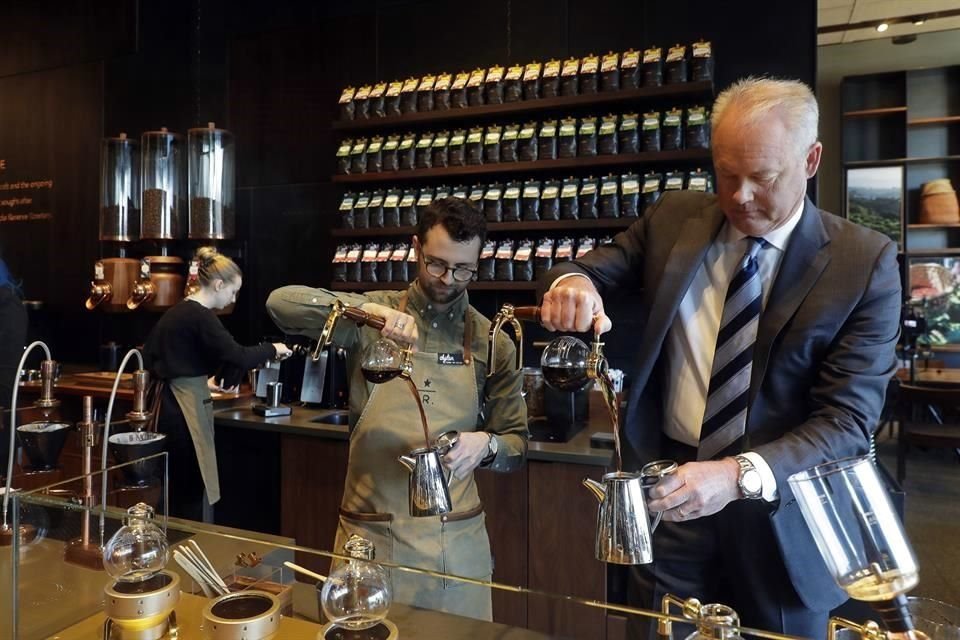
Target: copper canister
(166,273)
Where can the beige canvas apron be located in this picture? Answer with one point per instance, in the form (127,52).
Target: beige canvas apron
(375,503)
(193,396)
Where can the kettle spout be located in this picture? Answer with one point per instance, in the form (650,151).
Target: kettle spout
(596,487)
(407,462)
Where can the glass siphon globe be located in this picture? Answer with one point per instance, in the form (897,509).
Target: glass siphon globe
(138,550)
(357,594)
(382,361)
(564,363)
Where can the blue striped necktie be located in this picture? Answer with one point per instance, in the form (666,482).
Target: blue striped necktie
(725,416)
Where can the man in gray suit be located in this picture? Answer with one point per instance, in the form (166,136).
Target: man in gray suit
(768,338)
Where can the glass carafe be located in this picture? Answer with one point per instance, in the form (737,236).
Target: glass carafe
(357,594)
(565,364)
(382,361)
(859,535)
(138,550)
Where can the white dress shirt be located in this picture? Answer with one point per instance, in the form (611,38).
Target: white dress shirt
(692,338)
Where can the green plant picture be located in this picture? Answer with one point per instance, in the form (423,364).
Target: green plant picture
(875,200)
(935,295)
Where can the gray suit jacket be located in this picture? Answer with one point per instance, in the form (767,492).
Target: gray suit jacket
(825,347)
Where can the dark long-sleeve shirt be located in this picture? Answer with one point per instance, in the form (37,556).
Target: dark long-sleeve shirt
(13,335)
(189,340)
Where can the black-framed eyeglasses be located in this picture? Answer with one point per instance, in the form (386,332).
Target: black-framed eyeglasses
(439,269)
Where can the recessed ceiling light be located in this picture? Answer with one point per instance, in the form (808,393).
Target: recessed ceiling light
(919,21)
(883,26)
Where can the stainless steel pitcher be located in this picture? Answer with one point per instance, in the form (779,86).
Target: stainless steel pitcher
(428,493)
(624,530)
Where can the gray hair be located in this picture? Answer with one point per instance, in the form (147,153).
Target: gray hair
(757,97)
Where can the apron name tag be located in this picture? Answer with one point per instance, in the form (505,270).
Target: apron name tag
(450,358)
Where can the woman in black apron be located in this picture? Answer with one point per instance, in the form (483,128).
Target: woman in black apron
(185,348)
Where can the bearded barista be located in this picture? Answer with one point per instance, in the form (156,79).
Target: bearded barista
(450,372)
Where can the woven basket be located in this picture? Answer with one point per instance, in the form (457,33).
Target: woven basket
(938,203)
(932,283)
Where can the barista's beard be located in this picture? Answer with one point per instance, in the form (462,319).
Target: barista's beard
(439,293)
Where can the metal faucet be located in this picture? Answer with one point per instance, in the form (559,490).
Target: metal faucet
(362,318)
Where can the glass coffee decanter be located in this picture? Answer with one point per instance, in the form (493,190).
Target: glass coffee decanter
(357,594)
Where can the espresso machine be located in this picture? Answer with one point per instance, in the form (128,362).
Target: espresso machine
(308,377)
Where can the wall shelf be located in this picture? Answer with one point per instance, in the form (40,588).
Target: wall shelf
(599,162)
(896,161)
(919,122)
(684,90)
(396,286)
(933,226)
(870,113)
(524,225)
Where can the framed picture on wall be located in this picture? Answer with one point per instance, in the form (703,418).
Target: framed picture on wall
(934,284)
(875,199)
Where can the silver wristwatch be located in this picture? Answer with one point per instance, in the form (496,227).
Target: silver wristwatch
(749,481)
(492,447)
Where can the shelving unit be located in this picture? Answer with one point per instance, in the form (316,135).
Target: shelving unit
(646,95)
(909,119)
(640,160)
(636,100)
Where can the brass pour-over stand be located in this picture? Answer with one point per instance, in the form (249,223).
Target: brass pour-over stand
(46,403)
(81,551)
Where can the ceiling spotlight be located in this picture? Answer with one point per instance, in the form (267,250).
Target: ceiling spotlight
(918,21)
(883,26)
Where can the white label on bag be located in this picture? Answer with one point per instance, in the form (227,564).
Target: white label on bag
(376,200)
(652,55)
(493,137)
(475,137)
(608,188)
(492,194)
(701,50)
(515,72)
(443,82)
(651,184)
(610,62)
(375,146)
(523,254)
(697,183)
(590,64)
(408,200)
(505,252)
(568,191)
(630,59)
(476,195)
(532,191)
(345,97)
(340,255)
(676,54)
(406,143)
(570,67)
(629,187)
(583,250)
(391,200)
(532,72)
(488,250)
(588,189)
(588,128)
(424,143)
(512,193)
(495,74)
(359,148)
(363,92)
(564,251)
(399,254)
(410,84)
(391,145)
(456,140)
(673,184)
(552,69)
(510,134)
(353,254)
(608,128)
(671,120)
(460,194)
(412,256)
(628,124)
(344,149)
(568,129)
(476,78)
(651,123)
(384,255)
(461,80)
(440,141)
(378,90)
(550,192)
(696,117)
(370,255)
(425,199)
(545,251)
(527,132)
(426,83)
(393,89)
(362,202)
(346,204)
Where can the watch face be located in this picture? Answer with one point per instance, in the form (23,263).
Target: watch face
(750,482)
